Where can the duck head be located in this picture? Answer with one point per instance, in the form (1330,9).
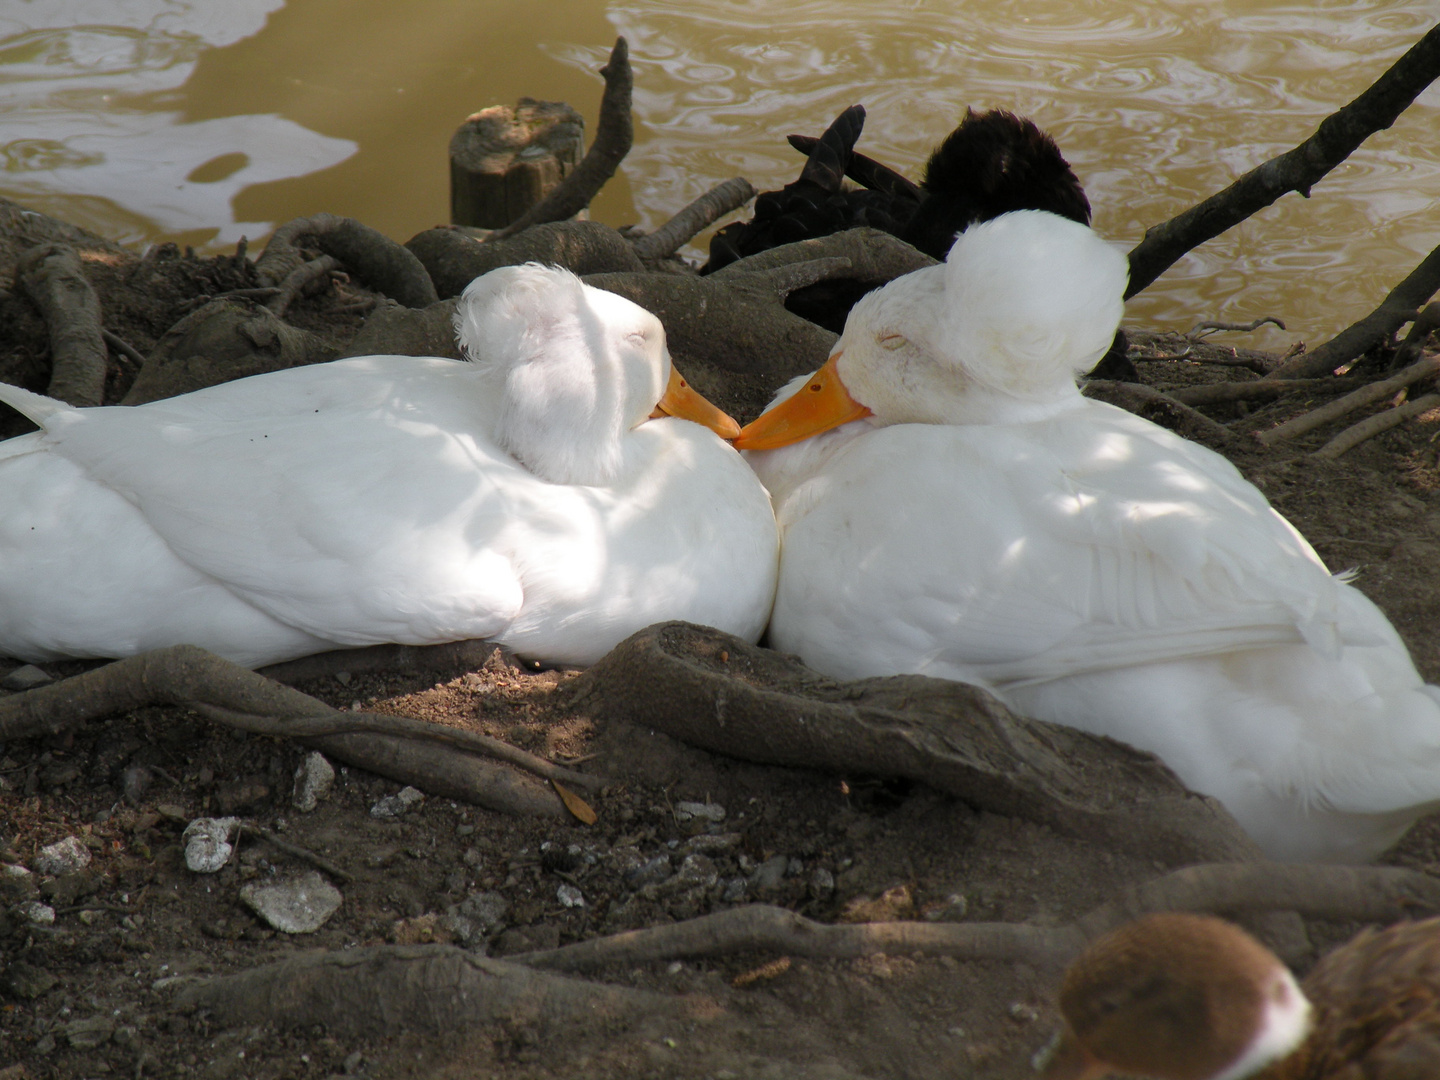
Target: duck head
(1176,997)
(572,369)
(998,333)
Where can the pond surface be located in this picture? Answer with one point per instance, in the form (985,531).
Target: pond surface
(200,122)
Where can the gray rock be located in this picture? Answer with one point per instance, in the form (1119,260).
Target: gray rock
(88,1034)
(296,906)
(487,910)
(25,981)
(769,874)
(651,872)
(569,896)
(25,677)
(63,857)
(207,843)
(953,910)
(686,811)
(17,884)
(313,780)
(392,806)
(734,891)
(696,872)
(37,913)
(822,883)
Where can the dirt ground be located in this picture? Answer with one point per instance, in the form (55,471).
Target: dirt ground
(92,993)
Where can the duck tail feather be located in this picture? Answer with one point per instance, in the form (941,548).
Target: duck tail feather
(36,407)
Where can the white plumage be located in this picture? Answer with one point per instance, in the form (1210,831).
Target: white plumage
(524,497)
(990,524)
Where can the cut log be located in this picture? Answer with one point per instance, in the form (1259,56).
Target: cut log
(503,161)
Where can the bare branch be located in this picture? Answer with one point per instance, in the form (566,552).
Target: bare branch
(1295,170)
(1373,425)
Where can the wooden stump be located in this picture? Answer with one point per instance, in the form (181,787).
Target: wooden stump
(503,160)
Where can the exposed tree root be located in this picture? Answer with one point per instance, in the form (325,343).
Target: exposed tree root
(1258,390)
(436,989)
(614,132)
(1162,409)
(299,280)
(700,214)
(51,277)
(1297,169)
(434,758)
(716,692)
(226,339)
(454,259)
(1205,329)
(1426,368)
(1379,894)
(1371,426)
(369,255)
(875,256)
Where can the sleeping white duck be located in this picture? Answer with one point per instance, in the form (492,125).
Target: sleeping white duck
(974,517)
(526,497)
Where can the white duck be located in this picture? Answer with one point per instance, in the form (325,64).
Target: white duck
(974,517)
(525,497)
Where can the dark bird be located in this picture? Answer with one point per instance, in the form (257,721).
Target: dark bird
(1189,997)
(992,163)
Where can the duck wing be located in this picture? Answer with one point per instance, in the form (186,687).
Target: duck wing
(1028,552)
(349,500)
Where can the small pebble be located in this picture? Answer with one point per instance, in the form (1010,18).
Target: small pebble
(392,806)
(685,811)
(569,896)
(207,843)
(38,913)
(63,857)
(314,778)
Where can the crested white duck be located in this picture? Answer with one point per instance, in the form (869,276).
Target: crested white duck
(1190,997)
(536,496)
(953,506)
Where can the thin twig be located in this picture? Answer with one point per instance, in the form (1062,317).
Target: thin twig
(1295,170)
(1209,328)
(295,850)
(121,346)
(614,134)
(1373,425)
(700,214)
(1427,368)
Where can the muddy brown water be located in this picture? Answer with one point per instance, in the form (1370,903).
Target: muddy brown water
(200,122)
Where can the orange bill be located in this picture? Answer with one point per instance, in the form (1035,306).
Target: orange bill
(1066,1059)
(686,404)
(821,404)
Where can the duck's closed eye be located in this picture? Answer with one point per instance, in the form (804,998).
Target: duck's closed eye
(891,341)
(639,337)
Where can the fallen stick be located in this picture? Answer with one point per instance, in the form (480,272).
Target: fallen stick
(294,850)
(1372,894)
(1371,426)
(51,277)
(614,133)
(700,214)
(1398,308)
(1427,368)
(121,346)
(1297,169)
(1204,329)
